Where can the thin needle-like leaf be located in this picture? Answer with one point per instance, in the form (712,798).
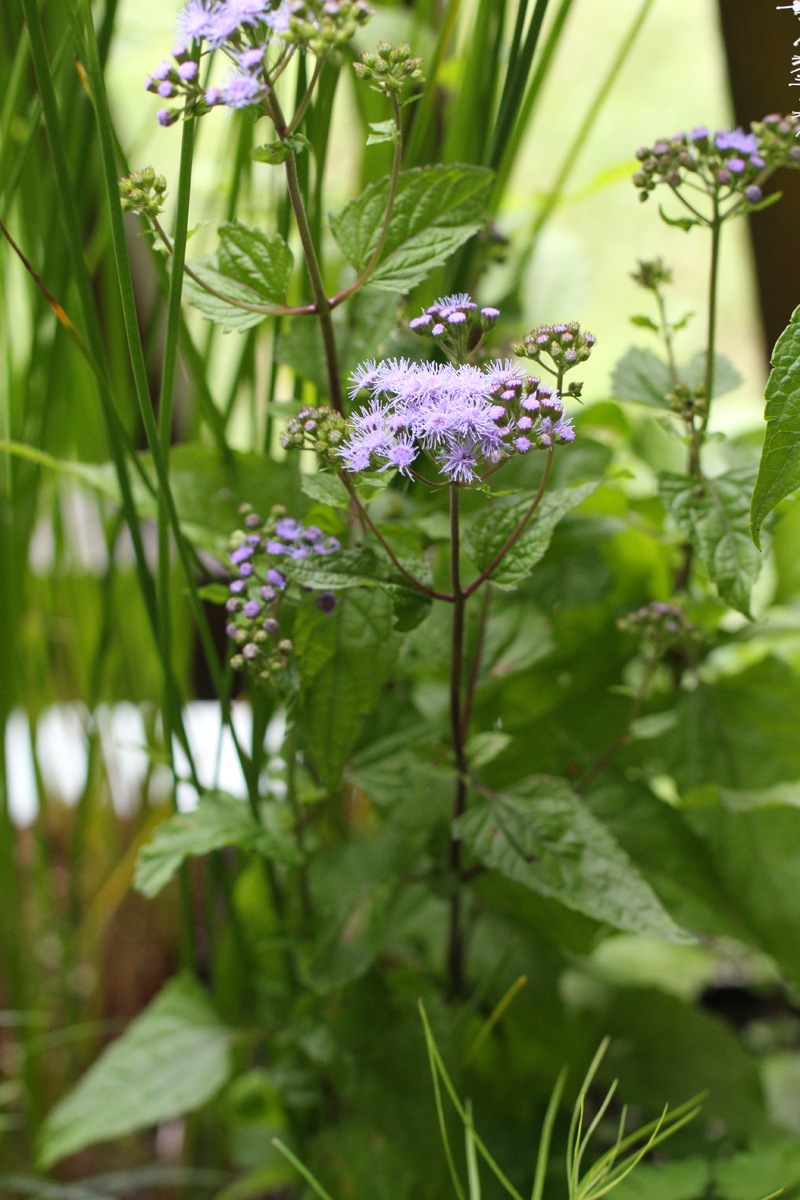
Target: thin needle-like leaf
(543,1156)
(496,1015)
(473,1176)
(304,1171)
(432,1056)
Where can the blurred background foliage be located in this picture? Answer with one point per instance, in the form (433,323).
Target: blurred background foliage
(84,764)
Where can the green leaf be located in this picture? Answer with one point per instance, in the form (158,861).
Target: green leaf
(674,1181)
(252,258)
(436,209)
(645,323)
(325,489)
(277,152)
(765,1168)
(641,377)
(170,1060)
(715,517)
(779,470)
(346,658)
(490,531)
(542,835)
(684,223)
(219,820)
(219,310)
(382,131)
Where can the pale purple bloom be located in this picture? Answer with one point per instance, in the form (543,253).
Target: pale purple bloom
(289,529)
(270,625)
(246,570)
(252,57)
(241,90)
(312,534)
(233,604)
(700,133)
(459,462)
(438,330)
(736,139)
(456,318)
(754,194)
(252,608)
(491,314)
(267,592)
(212,96)
(162,70)
(165,89)
(563,430)
(240,554)
(164,116)
(737,165)
(250,650)
(276,578)
(231,630)
(187,70)
(300,551)
(275,547)
(524,423)
(237,585)
(194,21)
(523,444)
(401,455)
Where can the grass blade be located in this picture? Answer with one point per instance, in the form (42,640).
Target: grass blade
(543,1156)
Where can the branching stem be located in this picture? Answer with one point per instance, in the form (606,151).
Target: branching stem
(455,951)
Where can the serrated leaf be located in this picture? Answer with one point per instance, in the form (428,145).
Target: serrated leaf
(325,489)
(542,835)
(170,1060)
(217,309)
(491,530)
(779,469)
(715,517)
(219,820)
(726,377)
(345,659)
(436,209)
(253,258)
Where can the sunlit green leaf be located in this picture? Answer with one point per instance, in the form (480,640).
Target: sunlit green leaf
(436,209)
(253,258)
(170,1060)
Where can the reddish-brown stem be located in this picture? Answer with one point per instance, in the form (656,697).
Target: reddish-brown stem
(518,532)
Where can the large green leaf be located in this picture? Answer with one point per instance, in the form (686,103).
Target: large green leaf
(370,566)
(346,658)
(673,1181)
(541,834)
(219,820)
(170,1060)
(642,377)
(491,530)
(436,209)
(779,470)
(256,260)
(715,517)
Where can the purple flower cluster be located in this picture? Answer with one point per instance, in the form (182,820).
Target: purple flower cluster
(455,323)
(661,627)
(243,29)
(728,159)
(460,417)
(256,559)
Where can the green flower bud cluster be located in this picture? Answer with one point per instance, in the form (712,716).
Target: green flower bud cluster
(565,345)
(390,69)
(143,192)
(662,627)
(726,163)
(322,25)
(689,402)
(320,429)
(652,275)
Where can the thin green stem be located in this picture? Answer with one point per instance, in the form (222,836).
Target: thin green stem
(455,942)
(713,288)
(666,333)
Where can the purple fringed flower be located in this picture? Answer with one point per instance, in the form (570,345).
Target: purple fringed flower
(276,578)
(250,650)
(187,70)
(238,585)
(267,592)
(241,91)
(246,570)
(736,165)
(274,547)
(239,555)
(289,529)
(194,22)
(165,117)
(736,139)
(251,609)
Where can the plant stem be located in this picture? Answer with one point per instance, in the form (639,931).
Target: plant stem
(618,743)
(716,232)
(666,333)
(455,951)
(518,532)
(367,520)
(476,662)
(322,302)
